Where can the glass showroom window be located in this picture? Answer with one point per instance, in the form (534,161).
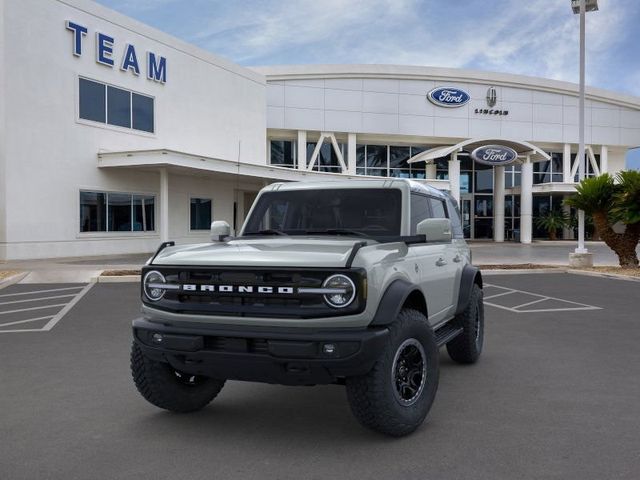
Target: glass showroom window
(512,217)
(398,166)
(512,176)
(442,168)
(389,161)
(283,153)
(116,212)
(201,213)
(542,205)
(327,158)
(107,104)
(589,171)
(548,171)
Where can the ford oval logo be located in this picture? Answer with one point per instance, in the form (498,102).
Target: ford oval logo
(494,155)
(448,97)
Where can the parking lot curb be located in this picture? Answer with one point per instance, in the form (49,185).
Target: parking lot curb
(603,274)
(522,271)
(12,279)
(117,279)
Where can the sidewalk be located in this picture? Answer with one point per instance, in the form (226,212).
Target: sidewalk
(540,252)
(74,269)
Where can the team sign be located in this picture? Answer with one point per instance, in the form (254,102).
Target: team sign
(156,64)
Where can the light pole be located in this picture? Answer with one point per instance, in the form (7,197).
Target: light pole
(580,7)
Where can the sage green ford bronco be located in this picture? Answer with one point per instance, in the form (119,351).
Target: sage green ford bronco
(355,282)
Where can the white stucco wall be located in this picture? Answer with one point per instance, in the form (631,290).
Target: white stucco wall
(208,106)
(382,99)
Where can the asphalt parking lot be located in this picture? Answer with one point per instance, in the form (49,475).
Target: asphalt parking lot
(555,395)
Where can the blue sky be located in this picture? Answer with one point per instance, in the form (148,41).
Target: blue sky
(530,37)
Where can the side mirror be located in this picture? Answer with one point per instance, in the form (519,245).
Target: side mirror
(435,229)
(219,231)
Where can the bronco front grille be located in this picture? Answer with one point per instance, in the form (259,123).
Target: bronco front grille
(249,292)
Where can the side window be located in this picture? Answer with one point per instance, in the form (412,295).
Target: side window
(454,215)
(419,210)
(437,207)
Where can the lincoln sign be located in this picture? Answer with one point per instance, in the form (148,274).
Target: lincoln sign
(494,155)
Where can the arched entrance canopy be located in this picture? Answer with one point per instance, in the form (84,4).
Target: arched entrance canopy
(523,149)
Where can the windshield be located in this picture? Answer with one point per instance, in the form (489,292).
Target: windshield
(371,212)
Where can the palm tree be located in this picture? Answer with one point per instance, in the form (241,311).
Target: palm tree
(552,221)
(609,202)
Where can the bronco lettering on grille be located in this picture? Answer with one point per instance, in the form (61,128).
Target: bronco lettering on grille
(191,287)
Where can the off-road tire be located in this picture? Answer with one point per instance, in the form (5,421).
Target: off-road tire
(373,397)
(163,387)
(467,347)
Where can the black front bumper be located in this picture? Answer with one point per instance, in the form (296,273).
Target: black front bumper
(271,355)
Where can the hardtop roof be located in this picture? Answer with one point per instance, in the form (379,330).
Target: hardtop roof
(413,185)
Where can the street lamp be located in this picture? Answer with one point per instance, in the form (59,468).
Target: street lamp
(580,7)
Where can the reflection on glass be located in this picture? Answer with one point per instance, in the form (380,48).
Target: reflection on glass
(118,107)
(283,153)
(484,180)
(92,101)
(93,212)
(119,212)
(376,156)
(144,213)
(142,112)
(483,206)
(483,228)
(465,182)
(200,213)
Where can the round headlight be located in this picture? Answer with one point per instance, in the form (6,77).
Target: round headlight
(343,291)
(153,285)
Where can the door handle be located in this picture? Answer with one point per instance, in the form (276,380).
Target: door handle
(440,262)
(457,259)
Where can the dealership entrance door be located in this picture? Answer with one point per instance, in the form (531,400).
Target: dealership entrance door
(477,216)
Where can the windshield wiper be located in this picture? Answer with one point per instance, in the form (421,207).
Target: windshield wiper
(268,231)
(338,231)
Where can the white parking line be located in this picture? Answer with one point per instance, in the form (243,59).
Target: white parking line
(38,299)
(540,299)
(531,303)
(25,321)
(499,294)
(41,291)
(33,308)
(53,319)
(51,323)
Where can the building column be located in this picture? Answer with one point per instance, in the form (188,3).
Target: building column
(164,205)
(526,202)
(566,164)
(431,171)
(454,176)
(498,203)
(352,153)
(604,159)
(302,150)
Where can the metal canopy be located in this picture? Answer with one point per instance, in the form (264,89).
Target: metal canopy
(522,148)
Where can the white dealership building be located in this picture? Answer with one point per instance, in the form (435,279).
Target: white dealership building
(115,136)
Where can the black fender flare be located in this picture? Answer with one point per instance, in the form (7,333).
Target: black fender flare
(392,301)
(470,276)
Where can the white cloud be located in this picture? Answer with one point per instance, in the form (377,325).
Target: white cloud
(530,37)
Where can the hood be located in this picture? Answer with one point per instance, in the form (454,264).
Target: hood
(263,252)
